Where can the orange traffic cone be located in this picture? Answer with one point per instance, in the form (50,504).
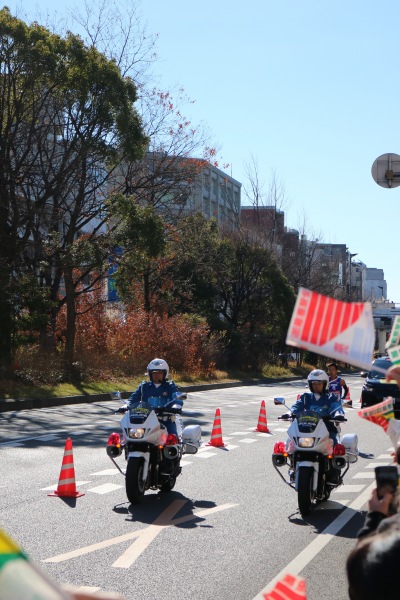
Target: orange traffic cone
(66,483)
(262,420)
(216,434)
(347,401)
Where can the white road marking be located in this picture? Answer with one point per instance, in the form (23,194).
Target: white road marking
(344,489)
(205,454)
(375,464)
(363,475)
(135,534)
(54,487)
(247,441)
(310,552)
(240,433)
(106,472)
(11,445)
(105,488)
(332,504)
(148,535)
(185,463)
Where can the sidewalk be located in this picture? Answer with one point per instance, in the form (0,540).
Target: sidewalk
(34,403)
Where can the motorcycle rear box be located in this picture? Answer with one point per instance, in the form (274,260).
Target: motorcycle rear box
(192,435)
(350,442)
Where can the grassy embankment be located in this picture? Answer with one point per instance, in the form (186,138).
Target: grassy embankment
(16,389)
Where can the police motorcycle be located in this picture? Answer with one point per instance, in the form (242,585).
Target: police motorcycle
(152,454)
(315,466)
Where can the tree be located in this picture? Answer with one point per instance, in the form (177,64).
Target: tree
(67,119)
(255,301)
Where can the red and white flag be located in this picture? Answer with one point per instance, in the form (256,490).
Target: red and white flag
(383,414)
(289,587)
(341,330)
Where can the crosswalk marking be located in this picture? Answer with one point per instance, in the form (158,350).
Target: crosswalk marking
(105,488)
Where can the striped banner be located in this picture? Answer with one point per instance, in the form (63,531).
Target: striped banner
(380,414)
(341,330)
(289,587)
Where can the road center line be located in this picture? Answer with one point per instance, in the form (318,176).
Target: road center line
(131,536)
(148,535)
(311,551)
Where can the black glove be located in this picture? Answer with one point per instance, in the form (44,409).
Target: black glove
(122,409)
(340,418)
(286,416)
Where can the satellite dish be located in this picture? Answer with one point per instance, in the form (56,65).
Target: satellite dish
(385,170)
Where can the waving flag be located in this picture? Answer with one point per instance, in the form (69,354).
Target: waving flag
(382,414)
(19,578)
(394,354)
(379,413)
(341,330)
(289,587)
(394,337)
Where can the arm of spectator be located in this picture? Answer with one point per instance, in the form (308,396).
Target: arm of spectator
(393,374)
(378,509)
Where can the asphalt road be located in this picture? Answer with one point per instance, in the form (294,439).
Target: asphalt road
(228,530)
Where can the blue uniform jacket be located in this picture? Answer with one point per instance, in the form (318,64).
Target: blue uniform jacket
(324,405)
(147,390)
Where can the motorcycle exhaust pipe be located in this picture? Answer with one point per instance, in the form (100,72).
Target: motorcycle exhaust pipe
(171,452)
(113,451)
(278,460)
(339,462)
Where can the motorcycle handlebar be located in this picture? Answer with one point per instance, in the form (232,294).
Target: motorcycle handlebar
(331,419)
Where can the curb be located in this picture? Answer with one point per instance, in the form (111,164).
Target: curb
(35,403)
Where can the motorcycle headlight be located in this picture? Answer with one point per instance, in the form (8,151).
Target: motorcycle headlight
(136,433)
(306,442)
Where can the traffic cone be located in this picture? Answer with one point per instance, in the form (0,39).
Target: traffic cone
(216,434)
(347,401)
(262,420)
(66,483)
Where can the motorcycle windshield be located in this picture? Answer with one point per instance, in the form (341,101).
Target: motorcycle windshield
(157,402)
(308,420)
(140,409)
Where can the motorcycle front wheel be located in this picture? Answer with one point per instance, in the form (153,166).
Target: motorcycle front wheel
(134,484)
(169,485)
(305,494)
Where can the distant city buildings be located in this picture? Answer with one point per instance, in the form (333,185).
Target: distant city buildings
(346,277)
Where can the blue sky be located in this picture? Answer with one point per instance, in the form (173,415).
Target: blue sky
(308,89)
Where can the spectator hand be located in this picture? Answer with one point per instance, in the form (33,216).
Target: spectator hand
(393,374)
(379,505)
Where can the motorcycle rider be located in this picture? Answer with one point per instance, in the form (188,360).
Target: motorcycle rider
(319,400)
(326,405)
(159,386)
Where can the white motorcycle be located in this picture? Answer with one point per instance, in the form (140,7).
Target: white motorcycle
(153,455)
(315,464)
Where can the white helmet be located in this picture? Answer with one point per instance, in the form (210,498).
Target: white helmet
(318,375)
(158,364)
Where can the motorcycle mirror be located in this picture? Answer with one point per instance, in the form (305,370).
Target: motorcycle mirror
(115,395)
(279,401)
